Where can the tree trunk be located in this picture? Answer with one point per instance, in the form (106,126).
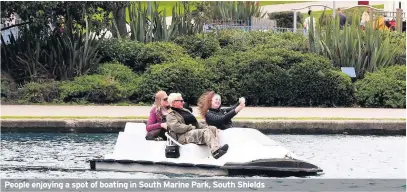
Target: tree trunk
(120,18)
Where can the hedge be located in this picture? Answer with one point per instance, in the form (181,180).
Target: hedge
(269,69)
(201,46)
(279,77)
(185,76)
(34,92)
(238,40)
(285,19)
(113,82)
(383,88)
(139,56)
(5,87)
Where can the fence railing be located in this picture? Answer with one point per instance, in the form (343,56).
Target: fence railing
(259,24)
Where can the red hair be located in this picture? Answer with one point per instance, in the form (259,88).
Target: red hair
(205,102)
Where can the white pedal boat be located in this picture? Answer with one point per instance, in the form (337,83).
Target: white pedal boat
(250,153)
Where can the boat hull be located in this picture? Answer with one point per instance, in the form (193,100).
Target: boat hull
(272,168)
(250,153)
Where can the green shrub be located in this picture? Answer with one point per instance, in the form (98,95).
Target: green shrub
(5,87)
(235,40)
(398,42)
(264,82)
(185,76)
(118,71)
(139,56)
(238,40)
(225,74)
(124,51)
(95,88)
(383,88)
(285,19)
(288,58)
(162,52)
(278,77)
(314,83)
(202,46)
(34,92)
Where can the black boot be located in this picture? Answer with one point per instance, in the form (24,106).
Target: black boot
(221,151)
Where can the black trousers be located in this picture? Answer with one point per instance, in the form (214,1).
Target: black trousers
(153,134)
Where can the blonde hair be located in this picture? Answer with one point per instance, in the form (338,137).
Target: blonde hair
(172,97)
(157,102)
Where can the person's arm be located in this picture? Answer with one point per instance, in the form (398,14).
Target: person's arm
(228,109)
(152,121)
(217,119)
(176,126)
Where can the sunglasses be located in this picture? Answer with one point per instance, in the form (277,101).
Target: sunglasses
(165,99)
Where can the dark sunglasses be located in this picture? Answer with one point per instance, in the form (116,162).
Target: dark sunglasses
(179,100)
(165,99)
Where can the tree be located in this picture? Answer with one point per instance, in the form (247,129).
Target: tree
(40,16)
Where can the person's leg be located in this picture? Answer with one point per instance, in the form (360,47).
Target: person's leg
(162,134)
(202,136)
(215,131)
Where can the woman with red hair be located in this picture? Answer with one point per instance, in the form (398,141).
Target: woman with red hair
(209,105)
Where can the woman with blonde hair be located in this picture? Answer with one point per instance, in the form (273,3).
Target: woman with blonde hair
(156,124)
(209,105)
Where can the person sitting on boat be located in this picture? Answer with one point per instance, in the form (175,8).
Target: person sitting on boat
(209,105)
(156,124)
(184,127)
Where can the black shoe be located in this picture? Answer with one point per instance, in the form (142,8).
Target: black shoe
(221,151)
(159,139)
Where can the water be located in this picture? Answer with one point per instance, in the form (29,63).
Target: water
(54,155)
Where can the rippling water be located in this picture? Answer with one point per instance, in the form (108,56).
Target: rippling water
(54,155)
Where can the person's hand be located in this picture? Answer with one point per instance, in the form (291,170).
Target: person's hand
(242,100)
(164,125)
(242,104)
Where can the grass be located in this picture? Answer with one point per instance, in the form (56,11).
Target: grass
(237,118)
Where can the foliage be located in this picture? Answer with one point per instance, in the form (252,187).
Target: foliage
(325,18)
(285,19)
(5,87)
(352,46)
(317,84)
(152,27)
(113,82)
(398,43)
(119,72)
(264,40)
(278,77)
(383,88)
(264,82)
(34,92)
(201,46)
(40,14)
(235,10)
(185,76)
(160,52)
(225,74)
(124,51)
(139,56)
(59,55)
(238,40)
